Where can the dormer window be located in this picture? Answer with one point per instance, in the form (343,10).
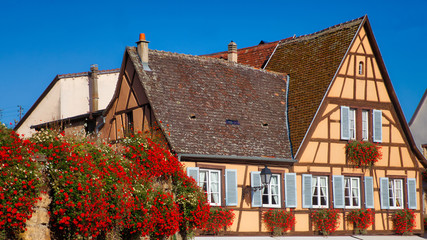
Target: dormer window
(360,68)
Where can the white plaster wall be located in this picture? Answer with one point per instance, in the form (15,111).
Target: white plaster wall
(106,87)
(47,110)
(69,97)
(419,126)
(74,96)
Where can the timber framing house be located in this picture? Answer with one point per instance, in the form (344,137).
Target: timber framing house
(226,120)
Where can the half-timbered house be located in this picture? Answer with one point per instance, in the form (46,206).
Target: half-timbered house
(226,121)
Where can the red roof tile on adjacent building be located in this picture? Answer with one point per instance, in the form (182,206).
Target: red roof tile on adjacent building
(255,56)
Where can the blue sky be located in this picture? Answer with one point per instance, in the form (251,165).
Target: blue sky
(41,39)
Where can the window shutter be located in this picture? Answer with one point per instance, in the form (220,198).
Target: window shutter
(231,187)
(412,193)
(345,123)
(291,190)
(338,184)
(385,201)
(369,192)
(256,195)
(307,200)
(194,173)
(378,125)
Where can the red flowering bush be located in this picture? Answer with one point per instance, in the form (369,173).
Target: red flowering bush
(404,221)
(361,219)
(362,154)
(161,167)
(425,223)
(19,182)
(88,185)
(219,220)
(279,221)
(326,221)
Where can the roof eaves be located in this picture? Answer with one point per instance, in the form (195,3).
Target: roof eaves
(420,104)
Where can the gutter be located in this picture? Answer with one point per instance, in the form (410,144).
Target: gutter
(223,157)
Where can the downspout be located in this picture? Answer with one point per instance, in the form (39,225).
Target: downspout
(288,78)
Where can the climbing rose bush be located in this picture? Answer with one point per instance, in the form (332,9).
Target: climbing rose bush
(361,219)
(279,221)
(404,221)
(19,182)
(326,221)
(362,154)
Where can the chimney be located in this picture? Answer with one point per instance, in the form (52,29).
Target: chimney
(142,49)
(232,52)
(93,88)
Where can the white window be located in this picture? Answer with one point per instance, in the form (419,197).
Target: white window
(395,189)
(271,193)
(319,191)
(360,68)
(365,124)
(352,192)
(210,182)
(352,119)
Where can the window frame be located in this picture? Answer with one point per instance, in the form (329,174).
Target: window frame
(351,206)
(209,192)
(365,124)
(392,189)
(269,194)
(318,204)
(352,117)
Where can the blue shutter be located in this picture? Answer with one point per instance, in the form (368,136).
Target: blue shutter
(307,200)
(377,125)
(231,187)
(412,193)
(338,184)
(385,200)
(256,194)
(345,123)
(291,190)
(194,173)
(369,192)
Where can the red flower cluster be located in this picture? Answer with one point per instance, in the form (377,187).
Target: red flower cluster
(404,221)
(362,154)
(219,220)
(142,190)
(326,220)
(279,221)
(19,181)
(362,219)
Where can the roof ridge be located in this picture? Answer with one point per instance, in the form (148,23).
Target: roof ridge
(79,74)
(325,30)
(209,59)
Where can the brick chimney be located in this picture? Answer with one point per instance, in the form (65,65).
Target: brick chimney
(232,52)
(93,86)
(142,49)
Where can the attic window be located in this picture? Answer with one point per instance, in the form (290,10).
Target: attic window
(192,116)
(232,122)
(264,124)
(360,68)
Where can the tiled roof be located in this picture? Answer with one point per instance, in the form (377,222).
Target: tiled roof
(213,107)
(311,61)
(255,56)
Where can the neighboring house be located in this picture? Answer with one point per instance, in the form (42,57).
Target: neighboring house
(226,121)
(418,125)
(71,102)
